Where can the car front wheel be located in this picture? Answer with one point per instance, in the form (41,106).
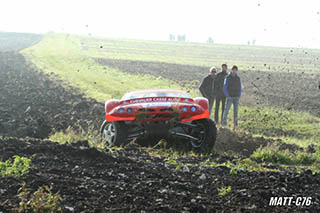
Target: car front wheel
(114,133)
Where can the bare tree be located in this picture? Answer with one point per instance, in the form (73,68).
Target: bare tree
(172,37)
(210,40)
(182,38)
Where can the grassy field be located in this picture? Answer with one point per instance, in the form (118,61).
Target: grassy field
(71,58)
(246,57)
(292,127)
(62,55)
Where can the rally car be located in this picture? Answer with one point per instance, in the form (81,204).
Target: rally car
(162,113)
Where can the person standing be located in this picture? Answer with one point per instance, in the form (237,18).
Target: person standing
(220,96)
(232,90)
(207,87)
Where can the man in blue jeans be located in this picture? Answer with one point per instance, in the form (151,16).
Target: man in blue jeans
(232,90)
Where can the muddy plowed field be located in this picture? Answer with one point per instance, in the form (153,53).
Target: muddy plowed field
(17,41)
(31,104)
(133,181)
(297,91)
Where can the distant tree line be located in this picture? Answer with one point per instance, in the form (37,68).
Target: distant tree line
(253,42)
(210,40)
(182,38)
(173,37)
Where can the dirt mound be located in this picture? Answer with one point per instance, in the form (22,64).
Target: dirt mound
(91,181)
(33,105)
(284,89)
(245,144)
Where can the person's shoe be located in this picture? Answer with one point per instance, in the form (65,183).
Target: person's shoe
(235,128)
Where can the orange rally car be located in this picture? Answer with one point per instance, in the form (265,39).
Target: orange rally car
(158,113)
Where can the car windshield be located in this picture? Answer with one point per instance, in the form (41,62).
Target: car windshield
(132,95)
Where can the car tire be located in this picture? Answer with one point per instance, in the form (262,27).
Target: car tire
(114,133)
(209,135)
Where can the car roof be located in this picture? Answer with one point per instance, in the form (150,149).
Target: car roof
(158,90)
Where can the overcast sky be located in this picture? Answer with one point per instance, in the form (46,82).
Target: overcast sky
(269,22)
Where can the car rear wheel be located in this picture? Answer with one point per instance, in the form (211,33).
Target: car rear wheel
(206,132)
(114,133)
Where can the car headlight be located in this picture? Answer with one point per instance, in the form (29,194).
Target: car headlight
(193,109)
(185,109)
(121,110)
(129,110)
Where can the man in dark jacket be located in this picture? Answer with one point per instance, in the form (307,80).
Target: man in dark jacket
(232,90)
(220,96)
(207,87)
